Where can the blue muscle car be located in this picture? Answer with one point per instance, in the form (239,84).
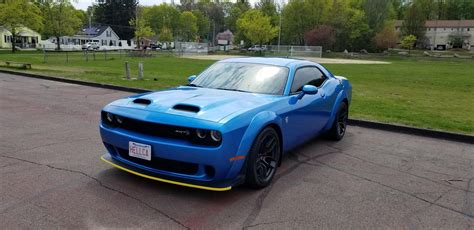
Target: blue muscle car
(230,125)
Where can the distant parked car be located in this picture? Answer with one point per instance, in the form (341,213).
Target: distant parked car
(155,46)
(256,48)
(91,46)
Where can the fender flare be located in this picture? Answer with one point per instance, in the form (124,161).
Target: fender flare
(257,124)
(340,97)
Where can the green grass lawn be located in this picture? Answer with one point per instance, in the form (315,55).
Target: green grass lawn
(436,94)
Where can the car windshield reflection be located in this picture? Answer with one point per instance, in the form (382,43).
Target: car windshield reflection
(244,77)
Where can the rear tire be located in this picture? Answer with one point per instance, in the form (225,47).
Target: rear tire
(263,159)
(338,128)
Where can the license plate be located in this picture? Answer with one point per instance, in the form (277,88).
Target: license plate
(139,150)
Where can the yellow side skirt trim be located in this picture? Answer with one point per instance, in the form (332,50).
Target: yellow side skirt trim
(164,180)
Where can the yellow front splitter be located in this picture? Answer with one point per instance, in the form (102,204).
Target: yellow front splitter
(165,180)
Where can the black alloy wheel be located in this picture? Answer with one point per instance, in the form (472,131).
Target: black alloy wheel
(263,159)
(338,129)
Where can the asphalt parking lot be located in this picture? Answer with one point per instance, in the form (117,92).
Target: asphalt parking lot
(51,176)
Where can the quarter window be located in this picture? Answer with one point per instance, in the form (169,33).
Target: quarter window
(307,76)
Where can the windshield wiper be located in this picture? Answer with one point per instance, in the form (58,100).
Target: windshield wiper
(193,85)
(238,90)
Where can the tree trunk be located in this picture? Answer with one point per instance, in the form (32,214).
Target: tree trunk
(58,42)
(13,42)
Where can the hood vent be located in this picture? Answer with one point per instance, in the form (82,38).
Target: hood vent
(187,108)
(142,101)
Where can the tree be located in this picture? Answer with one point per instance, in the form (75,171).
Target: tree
(257,27)
(60,19)
(408,42)
(202,24)
(387,37)
(117,14)
(459,9)
(142,30)
(188,26)
(300,16)
(16,14)
(414,22)
(321,36)
(377,13)
(163,15)
(165,35)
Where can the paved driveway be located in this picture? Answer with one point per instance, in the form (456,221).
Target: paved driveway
(51,176)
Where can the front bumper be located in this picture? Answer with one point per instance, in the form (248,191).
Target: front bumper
(158,177)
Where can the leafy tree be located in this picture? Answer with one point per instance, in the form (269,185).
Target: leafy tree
(165,35)
(60,19)
(163,15)
(234,14)
(350,25)
(188,26)
(257,27)
(387,37)
(15,14)
(142,30)
(117,14)
(408,42)
(300,16)
(377,13)
(414,22)
(321,36)
(459,9)
(202,24)
(268,8)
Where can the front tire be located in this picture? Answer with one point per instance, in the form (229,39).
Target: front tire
(263,159)
(338,129)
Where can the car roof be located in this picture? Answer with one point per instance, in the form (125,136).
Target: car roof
(268,61)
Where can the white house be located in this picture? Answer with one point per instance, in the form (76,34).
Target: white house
(440,33)
(104,35)
(25,38)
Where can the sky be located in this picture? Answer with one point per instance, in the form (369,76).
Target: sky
(83,4)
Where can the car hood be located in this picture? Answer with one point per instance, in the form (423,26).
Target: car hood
(201,103)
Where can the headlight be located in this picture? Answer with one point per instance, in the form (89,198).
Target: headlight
(110,117)
(201,133)
(119,119)
(216,136)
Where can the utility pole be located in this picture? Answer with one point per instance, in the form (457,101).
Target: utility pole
(90,26)
(279,31)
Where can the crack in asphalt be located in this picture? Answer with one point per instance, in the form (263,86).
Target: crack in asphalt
(384,185)
(263,195)
(398,170)
(104,186)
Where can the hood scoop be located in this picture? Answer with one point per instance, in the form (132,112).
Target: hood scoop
(142,101)
(187,108)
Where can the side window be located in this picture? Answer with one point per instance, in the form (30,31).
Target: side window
(307,76)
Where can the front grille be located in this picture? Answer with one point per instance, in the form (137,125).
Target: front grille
(160,130)
(162,164)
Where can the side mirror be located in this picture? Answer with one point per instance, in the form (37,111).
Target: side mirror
(308,89)
(191,78)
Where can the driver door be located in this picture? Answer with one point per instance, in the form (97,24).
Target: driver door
(308,115)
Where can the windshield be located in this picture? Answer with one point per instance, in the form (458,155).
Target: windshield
(246,77)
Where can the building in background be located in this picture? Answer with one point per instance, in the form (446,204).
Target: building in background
(103,35)
(25,38)
(447,34)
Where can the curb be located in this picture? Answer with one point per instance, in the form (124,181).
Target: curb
(458,137)
(77,82)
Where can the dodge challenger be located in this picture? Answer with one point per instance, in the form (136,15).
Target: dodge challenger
(230,125)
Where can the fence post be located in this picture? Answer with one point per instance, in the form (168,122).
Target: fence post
(140,70)
(86,54)
(67,57)
(93,54)
(105,55)
(127,70)
(44,55)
